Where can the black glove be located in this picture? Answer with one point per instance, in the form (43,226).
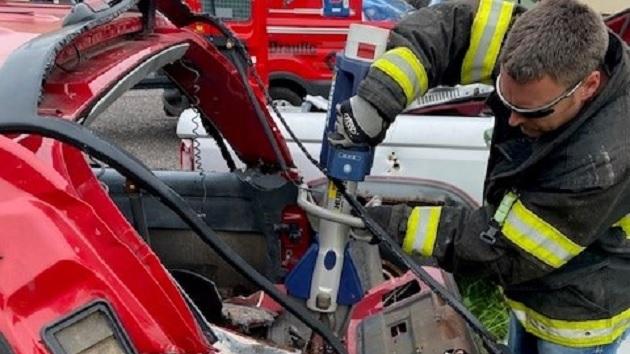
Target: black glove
(358,123)
(393,218)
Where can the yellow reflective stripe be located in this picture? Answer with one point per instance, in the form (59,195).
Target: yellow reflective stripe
(412,230)
(504,207)
(624,224)
(537,237)
(397,75)
(571,333)
(476,34)
(404,67)
(497,39)
(420,73)
(489,26)
(422,227)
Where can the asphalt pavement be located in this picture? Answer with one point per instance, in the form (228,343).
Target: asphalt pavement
(137,123)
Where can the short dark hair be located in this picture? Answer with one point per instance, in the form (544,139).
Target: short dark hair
(564,39)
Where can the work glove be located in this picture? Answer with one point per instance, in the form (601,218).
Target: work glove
(392,218)
(358,123)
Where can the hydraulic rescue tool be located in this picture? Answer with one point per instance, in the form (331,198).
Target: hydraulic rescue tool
(328,265)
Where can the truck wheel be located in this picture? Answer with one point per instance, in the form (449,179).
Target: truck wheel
(285,97)
(174,102)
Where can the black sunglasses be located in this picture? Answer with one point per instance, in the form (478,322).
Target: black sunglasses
(539,112)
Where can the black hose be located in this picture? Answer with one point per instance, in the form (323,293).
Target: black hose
(130,167)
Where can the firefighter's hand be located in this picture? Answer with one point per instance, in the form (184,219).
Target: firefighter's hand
(392,218)
(358,123)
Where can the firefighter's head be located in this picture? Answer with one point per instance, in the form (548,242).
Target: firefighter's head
(550,64)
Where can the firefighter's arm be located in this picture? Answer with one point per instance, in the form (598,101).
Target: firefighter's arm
(446,44)
(530,234)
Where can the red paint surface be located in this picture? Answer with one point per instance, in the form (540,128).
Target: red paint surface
(108,54)
(64,244)
(292,249)
(620,24)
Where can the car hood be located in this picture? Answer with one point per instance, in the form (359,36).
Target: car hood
(21,22)
(227,89)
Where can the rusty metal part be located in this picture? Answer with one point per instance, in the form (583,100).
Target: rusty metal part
(247,318)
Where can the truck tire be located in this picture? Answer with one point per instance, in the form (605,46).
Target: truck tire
(284,96)
(174,102)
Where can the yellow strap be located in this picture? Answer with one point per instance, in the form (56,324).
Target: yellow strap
(418,69)
(397,75)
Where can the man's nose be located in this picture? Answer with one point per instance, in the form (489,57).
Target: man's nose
(515,119)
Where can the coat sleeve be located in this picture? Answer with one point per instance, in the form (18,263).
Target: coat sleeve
(449,43)
(536,233)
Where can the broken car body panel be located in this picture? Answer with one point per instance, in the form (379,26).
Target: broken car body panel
(106,59)
(79,246)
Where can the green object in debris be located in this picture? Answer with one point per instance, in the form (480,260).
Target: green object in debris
(485,301)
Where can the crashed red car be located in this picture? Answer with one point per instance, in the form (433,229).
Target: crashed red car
(100,254)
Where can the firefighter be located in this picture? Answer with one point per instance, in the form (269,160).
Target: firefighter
(554,231)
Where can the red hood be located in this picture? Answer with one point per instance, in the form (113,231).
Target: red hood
(71,95)
(21,22)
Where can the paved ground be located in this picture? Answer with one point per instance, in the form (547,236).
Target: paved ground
(137,123)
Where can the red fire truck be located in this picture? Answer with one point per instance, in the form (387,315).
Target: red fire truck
(303,36)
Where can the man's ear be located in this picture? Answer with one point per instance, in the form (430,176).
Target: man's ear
(590,85)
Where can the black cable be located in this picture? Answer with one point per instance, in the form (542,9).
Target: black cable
(259,112)
(218,139)
(130,167)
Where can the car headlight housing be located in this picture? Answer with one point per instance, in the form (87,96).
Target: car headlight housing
(91,330)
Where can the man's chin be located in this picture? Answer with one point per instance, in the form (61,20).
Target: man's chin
(532,133)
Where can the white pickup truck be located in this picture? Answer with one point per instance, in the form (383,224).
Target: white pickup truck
(442,138)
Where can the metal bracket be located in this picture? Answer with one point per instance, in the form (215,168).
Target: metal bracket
(323,213)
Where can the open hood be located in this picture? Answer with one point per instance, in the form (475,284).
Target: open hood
(21,22)
(81,59)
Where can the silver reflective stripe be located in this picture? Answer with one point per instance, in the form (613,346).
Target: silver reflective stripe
(476,71)
(407,70)
(489,27)
(538,239)
(422,232)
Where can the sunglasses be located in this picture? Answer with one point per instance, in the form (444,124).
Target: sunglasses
(539,112)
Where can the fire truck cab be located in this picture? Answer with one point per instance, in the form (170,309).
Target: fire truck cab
(305,36)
